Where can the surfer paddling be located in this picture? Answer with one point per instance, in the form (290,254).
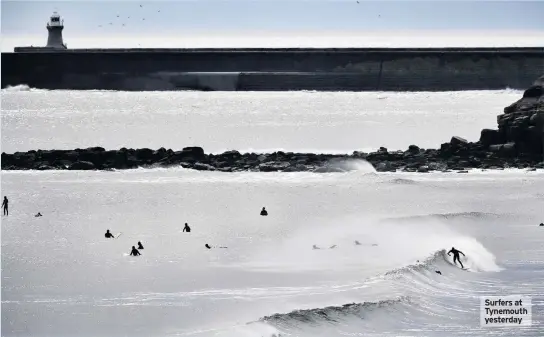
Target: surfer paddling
(210,247)
(456,256)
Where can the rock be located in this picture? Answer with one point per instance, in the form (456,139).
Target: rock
(203,167)
(489,137)
(423,169)
(273,166)
(458,141)
(145,154)
(82,165)
(385,167)
(435,166)
(413,149)
(534,91)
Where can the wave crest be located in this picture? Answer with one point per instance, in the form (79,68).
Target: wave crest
(15,88)
(347,165)
(331,313)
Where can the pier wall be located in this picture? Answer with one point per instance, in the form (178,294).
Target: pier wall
(275,69)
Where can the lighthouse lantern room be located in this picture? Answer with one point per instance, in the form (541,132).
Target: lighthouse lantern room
(55,27)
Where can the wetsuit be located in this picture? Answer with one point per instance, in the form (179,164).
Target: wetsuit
(456,256)
(5,206)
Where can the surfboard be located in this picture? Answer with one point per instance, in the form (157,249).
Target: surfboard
(118,234)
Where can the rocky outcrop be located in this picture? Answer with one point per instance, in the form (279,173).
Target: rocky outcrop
(521,126)
(517,143)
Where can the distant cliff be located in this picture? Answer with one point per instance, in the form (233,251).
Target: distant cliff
(276,69)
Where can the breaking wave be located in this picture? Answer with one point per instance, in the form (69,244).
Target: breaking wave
(331,313)
(413,279)
(347,165)
(19,87)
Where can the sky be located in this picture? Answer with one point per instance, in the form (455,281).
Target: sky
(262,23)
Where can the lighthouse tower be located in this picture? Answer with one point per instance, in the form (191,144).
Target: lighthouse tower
(55,27)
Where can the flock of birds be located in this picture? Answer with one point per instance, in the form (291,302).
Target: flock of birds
(119,16)
(143,19)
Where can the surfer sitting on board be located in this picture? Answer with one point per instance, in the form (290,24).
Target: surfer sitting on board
(264,212)
(140,246)
(187,228)
(109,235)
(456,255)
(134,251)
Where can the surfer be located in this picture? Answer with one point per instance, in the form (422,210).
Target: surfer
(264,212)
(5,205)
(140,245)
(456,256)
(209,247)
(134,252)
(38,215)
(109,235)
(315,247)
(187,228)
(541,224)
(357,243)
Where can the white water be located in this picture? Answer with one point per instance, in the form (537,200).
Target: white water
(61,277)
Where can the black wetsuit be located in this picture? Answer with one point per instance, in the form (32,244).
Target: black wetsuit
(5,206)
(109,235)
(140,245)
(187,228)
(264,212)
(134,252)
(456,256)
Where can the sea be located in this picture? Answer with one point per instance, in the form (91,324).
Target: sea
(381,267)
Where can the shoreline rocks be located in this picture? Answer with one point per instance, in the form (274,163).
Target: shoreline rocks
(517,143)
(453,156)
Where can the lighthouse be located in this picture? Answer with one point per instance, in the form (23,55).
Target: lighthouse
(55,27)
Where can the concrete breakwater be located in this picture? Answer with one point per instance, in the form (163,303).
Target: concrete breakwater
(518,142)
(439,69)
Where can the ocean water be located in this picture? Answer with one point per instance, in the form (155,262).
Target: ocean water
(332,122)
(61,277)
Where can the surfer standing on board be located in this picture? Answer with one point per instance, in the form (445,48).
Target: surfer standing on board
(456,256)
(5,205)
